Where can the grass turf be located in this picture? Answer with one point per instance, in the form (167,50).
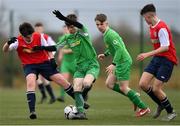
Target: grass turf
(107,108)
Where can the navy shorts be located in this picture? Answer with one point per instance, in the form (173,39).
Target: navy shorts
(161,68)
(46,69)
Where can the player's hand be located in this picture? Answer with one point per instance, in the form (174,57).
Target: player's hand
(142,56)
(37,48)
(110,68)
(11,40)
(101,56)
(58,14)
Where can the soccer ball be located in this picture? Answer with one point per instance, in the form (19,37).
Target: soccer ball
(69,111)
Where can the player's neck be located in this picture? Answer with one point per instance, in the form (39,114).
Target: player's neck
(155,20)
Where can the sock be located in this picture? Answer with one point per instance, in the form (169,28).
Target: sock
(117,89)
(42,90)
(85,92)
(62,92)
(79,101)
(70,91)
(167,105)
(50,91)
(132,95)
(153,97)
(31,99)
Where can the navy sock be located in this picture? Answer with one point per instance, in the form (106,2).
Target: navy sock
(31,98)
(42,90)
(70,91)
(85,92)
(153,97)
(167,105)
(50,91)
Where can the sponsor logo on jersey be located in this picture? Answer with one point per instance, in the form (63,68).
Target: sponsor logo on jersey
(75,43)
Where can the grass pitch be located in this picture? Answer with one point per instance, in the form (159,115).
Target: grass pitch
(107,108)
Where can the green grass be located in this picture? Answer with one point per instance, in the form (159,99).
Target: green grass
(107,108)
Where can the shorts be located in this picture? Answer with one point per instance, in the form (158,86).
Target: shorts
(161,68)
(87,67)
(68,67)
(123,70)
(46,69)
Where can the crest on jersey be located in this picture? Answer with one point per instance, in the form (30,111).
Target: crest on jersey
(155,34)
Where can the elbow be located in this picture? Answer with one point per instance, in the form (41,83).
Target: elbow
(166,48)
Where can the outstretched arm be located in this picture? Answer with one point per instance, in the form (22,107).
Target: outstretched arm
(47,48)
(7,44)
(63,18)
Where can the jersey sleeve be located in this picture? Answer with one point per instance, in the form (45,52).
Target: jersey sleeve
(163,37)
(61,42)
(107,52)
(116,44)
(13,46)
(50,41)
(43,41)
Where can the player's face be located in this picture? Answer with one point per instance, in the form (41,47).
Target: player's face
(101,26)
(39,29)
(28,38)
(71,29)
(148,18)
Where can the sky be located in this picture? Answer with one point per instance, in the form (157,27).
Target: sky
(118,12)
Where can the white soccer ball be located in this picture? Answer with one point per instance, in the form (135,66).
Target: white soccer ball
(69,111)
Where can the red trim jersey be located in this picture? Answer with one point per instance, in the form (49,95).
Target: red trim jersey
(161,35)
(24,49)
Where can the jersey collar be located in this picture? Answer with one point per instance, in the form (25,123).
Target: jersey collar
(106,31)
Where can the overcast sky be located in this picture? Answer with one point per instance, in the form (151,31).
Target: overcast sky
(118,12)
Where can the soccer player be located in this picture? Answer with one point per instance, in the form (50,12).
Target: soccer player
(35,62)
(161,66)
(42,82)
(66,61)
(87,66)
(119,70)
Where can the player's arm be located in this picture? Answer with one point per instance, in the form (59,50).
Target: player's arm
(164,45)
(10,45)
(63,18)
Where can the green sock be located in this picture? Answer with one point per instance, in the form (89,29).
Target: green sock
(79,101)
(132,95)
(62,92)
(117,89)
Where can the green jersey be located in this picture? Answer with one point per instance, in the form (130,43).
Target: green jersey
(115,46)
(81,45)
(66,57)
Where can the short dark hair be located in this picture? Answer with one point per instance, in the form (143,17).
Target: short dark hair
(148,8)
(71,17)
(26,29)
(38,24)
(101,17)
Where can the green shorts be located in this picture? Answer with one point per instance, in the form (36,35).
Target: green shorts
(123,70)
(87,67)
(68,67)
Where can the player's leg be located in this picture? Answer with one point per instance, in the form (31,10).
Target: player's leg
(134,98)
(62,92)
(111,83)
(90,77)
(87,85)
(60,80)
(31,97)
(49,90)
(157,89)
(163,75)
(41,89)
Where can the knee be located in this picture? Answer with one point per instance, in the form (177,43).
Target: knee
(86,83)
(124,88)
(31,86)
(77,87)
